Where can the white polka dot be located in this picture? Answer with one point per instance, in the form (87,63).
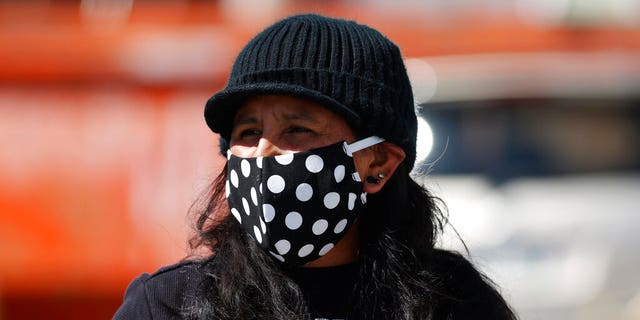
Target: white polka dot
(293,220)
(305,250)
(260,188)
(236,214)
(331,200)
(352,201)
(228,154)
(340,226)
(325,249)
(304,192)
(227,189)
(257,233)
(320,226)
(263,226)
(363,197)
(284,159)
(277,256)
(259,162)
(275,183)
(245,167)
(338,173)
(234,178)
(245,205)
(283,246)
(356,177)
(254,196)
(269,212)
(314,163)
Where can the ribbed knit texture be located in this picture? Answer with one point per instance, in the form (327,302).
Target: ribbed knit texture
(349,68)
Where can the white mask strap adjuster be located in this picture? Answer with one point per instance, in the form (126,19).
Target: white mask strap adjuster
(361,144)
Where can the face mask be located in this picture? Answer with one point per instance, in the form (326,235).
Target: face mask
(297,206)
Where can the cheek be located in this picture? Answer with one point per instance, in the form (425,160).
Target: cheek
(242,151)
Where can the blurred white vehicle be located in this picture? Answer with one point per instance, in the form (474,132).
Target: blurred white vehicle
(537,157)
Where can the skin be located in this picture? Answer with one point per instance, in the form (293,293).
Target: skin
(274,124)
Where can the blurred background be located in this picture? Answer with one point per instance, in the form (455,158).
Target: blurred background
(529,131)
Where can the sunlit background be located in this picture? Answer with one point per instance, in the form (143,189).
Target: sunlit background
(529,130)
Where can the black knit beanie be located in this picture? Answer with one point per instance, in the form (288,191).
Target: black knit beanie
(349,68)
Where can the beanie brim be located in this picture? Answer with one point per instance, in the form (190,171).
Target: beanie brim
(222,106)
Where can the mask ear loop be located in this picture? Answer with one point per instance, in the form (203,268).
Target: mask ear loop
(349,149)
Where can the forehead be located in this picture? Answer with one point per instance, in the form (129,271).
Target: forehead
(285,108)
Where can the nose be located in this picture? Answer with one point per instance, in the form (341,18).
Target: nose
(266,148)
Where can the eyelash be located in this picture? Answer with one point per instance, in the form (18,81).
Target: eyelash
(290,130)
(247,132)
(297,129)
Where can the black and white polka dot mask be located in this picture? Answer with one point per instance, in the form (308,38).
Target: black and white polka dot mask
(297,206)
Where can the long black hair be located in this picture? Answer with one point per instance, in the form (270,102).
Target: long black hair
(401,275)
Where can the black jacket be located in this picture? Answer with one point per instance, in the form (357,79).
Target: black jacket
(162,294)
(463,292)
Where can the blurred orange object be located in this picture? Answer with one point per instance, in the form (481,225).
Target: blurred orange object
(104,147)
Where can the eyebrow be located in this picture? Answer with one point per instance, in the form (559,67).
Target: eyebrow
(247,119)
(300,116)
(244,120)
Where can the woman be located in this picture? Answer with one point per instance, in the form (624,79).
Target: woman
(321,219)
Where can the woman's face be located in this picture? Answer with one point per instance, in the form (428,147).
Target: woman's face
(274,125)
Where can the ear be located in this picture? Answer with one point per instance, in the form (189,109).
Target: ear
(388,157)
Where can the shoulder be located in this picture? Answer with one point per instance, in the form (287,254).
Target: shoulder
(463,292)
(161,295)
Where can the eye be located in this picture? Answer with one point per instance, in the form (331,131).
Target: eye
(298,129)
(246,133)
